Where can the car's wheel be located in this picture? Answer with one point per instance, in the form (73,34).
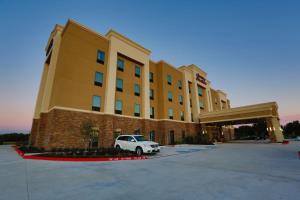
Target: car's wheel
(139,151)
(118,148)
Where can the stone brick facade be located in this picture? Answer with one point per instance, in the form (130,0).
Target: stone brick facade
(61,129)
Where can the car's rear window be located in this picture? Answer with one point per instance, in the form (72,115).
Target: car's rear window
(122,138)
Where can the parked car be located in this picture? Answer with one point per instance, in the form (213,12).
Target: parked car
(136,143)
(298,138)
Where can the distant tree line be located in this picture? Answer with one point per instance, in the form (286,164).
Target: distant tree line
(250,132)
(14,138)
(291,129)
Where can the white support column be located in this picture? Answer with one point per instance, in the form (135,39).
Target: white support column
(110,80)
(195,99)
(187,108)
(145,95)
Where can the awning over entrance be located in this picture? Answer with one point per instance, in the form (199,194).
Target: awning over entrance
(245,115)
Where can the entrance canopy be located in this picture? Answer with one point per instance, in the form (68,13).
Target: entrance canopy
(245,115)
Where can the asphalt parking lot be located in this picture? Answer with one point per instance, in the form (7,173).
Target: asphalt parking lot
(223,171)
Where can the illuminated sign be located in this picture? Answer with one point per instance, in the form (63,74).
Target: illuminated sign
(200,79)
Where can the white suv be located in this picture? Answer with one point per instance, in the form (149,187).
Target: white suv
(136,143)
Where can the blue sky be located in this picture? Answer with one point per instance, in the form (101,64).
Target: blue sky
(250,49)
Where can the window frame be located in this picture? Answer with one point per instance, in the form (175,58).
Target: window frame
(170,99)
(180,98)
(139,89)
(139,71)
(94,106)
(117,88)
(152,112)
(179,85)
(172,113)
(199,88)
(151,94)
(151,77)
(116,110)
(137,114)
(98,83)
(100,56)
(119,60)
(169,79)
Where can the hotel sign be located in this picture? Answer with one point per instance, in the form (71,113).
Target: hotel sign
(201,79)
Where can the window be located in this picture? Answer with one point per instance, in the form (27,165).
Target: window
(120,64)
(136,89)
(119,85)
(152,112)
(96,103)
(151,77)
(200,91)
(152,136)
(119,107)
(137,111)
(169,78)
(201,104)
(100,57)
(151,94)
(170,96)
(182,116)
(170,113)
(137,71)
(180,99)
(192,118)
(191,103)
(179,84)
(189,87)
(98,78)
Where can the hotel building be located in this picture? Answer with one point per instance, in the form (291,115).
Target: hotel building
(111,81)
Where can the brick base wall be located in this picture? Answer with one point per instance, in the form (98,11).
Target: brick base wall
(62,129)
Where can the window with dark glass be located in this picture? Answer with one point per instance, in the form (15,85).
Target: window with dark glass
(100,57)
(98,79)
(179,84)
(119,107)
(180,99)
(137,110)
(182,116)
(119,85)
(192,118)
(170,113)
(137,71)
(200,91)
(151,92)
(96,103)
(151,77)
(170,96)
(201,104)
(120,64)
(189,86)
(152,112)
(191,103)
(169,79)
(136,89)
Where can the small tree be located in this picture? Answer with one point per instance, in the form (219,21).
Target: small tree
(88,132)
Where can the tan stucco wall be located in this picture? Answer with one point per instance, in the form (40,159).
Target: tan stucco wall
(75,71)
(127,96)
(163,70)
